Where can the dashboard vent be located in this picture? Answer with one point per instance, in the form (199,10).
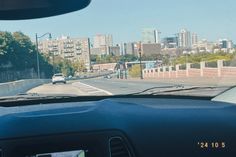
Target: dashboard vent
(118,148)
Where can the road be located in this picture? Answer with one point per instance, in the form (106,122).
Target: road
(102,86)
(98,86)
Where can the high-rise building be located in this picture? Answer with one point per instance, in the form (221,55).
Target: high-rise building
(150,36)
(109,40)
(230,44)
(99,41)
(102,40)
(114,50)
(129,48)
(170,42)
(194,39)
(184,39)
(122,50)
(226,44)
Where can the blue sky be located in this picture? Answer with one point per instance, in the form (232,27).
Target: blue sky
(125,19)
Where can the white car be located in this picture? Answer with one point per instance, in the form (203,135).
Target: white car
(58,78)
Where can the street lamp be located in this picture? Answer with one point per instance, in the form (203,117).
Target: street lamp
(140,59)
(36,37)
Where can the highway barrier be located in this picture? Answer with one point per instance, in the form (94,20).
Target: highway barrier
(217,69)
(21,86)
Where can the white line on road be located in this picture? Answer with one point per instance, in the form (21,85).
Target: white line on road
(95,88)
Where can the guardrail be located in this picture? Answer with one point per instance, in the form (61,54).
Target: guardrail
(21,86)
(201,70)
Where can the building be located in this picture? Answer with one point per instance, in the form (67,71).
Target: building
(101,44)
(102,40)
(128,48)
(109,40)
(99,41)
(114,50)
(170,42)
(73,49)
(136,50)
(99,51)
(203,46)
(122,49)
(150,49)
(150,36)
(194,39)
(230,44)
(226,44)
(184,39)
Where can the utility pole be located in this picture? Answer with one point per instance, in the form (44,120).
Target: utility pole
(37,47)
(140,59)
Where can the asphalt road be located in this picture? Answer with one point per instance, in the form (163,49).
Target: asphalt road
(103,86)
(97,86)
(116,86)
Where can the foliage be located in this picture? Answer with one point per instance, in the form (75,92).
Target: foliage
(68,67)
(79,66)
(17,52)
(63,66)
(112,58)
(199,57)
(135,71)
(128,58)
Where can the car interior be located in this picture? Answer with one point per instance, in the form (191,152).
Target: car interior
(134,125)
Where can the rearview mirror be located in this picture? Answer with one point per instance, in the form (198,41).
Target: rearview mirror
(30,9)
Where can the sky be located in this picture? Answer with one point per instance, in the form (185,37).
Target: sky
(125,19)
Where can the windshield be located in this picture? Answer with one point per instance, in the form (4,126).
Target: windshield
(122,47)
(58,75)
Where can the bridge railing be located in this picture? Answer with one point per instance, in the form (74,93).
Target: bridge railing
(203,69)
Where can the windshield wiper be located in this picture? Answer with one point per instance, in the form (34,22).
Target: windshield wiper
(151,90)
(32,96)
(180,88)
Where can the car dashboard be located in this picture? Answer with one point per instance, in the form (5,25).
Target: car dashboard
(120,127)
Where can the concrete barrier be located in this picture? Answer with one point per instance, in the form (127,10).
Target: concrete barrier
(220,71)
(21,86)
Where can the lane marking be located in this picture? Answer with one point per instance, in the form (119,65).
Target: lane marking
(95,88)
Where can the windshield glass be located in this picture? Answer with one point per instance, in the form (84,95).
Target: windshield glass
(58,74)
(123,47)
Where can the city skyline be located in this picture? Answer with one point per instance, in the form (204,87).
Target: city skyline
(106,17)
(194,36)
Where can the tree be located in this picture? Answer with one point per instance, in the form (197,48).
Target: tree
(67,68)
(79,66)
(93,58)
(128,58)
(18,53)
(135,71)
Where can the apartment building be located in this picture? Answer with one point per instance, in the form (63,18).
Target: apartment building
(73,49)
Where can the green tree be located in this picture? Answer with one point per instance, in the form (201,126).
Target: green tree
(18,53)
(67,68)
(128,58)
